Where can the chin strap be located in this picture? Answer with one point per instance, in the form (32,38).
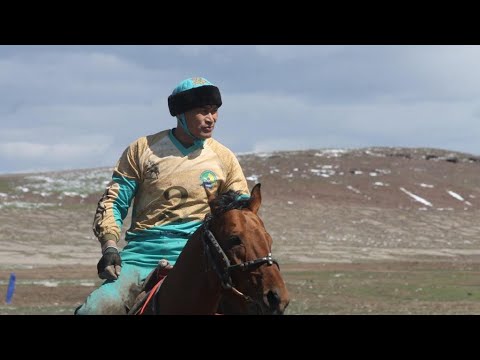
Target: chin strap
(183,122)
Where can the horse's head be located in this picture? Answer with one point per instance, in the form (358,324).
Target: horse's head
(243,260)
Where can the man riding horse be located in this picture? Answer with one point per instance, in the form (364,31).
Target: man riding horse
(165,174)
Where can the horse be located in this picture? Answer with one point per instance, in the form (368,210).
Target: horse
(226,264)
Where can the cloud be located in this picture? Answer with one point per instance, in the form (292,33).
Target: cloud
(270,122)
(286,53)
(58,103)
(54,78)
(83,146)
(82,151)
(446,73)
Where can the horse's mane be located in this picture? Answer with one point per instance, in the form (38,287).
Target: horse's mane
(229,201)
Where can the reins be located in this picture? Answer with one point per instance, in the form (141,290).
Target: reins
(218,260)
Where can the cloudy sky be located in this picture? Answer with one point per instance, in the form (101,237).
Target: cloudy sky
(65,107)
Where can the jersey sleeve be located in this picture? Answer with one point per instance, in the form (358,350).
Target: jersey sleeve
(113,206)
(235,179)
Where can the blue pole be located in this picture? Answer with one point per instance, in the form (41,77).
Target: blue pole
(11,288)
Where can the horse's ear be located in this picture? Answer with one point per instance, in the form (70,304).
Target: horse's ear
(210,195)
(255,199)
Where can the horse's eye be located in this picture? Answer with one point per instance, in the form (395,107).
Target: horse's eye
(235,240)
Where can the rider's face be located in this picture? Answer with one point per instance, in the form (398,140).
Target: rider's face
(201,121)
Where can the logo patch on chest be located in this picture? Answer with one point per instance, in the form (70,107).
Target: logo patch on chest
(208,178)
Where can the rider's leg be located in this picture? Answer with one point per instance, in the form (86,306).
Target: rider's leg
(113,295)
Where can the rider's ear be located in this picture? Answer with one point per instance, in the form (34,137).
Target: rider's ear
(255,199)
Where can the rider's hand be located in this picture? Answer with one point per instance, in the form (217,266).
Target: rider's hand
(110,264)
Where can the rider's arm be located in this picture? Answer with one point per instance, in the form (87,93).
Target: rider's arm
(115,202)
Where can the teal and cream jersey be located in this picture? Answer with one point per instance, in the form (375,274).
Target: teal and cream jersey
(166,182)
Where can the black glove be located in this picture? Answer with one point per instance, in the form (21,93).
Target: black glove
(110,264)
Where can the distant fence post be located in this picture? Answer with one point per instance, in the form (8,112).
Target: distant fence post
(11,288)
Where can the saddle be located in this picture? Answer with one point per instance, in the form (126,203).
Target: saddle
(150,287)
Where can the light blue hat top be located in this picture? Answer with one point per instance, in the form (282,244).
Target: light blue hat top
(191,83)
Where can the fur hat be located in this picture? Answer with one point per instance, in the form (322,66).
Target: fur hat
(192,93)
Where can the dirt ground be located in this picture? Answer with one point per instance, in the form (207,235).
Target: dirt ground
(375,231)
(397,288)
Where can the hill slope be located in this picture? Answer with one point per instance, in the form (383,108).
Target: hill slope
(378,230)
(319,206)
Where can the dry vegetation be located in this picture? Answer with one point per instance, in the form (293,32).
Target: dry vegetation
(367,231)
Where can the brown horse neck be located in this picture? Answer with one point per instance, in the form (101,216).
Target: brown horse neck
(189,288)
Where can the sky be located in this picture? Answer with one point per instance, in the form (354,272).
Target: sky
(70,107)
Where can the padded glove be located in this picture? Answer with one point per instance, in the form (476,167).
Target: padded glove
(110,264)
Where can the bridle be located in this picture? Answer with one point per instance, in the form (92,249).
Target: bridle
(220,263)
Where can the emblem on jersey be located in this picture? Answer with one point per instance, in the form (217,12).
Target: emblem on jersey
(152,170)
(208,178)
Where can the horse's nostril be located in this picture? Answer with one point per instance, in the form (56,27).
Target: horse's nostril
(273,299)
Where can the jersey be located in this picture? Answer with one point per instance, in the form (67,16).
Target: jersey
(166,182)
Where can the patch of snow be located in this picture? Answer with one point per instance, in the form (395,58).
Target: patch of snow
(331,152)
(349,187)
(46,283)
(416,197)
(455,195)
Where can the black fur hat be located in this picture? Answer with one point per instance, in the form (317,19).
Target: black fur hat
(186,100)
